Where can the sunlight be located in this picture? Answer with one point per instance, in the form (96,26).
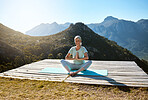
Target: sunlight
(23,15)
(27,13)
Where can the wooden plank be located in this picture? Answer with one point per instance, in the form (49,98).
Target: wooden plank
(108,81)
(33,76)
(80,79)
(116,75)
(94,67)
(90,77)
(98,63)
(109,72)
(109,67)
(45,79)
(63,78)
(111,63)
(117,84)
(93,62)
(145,79)
(37,76)
(137,77)
(131,68)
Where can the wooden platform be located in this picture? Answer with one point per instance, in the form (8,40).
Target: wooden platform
(120,73)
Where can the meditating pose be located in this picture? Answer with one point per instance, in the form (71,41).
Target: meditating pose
(79,55)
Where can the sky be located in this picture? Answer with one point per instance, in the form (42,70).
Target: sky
(23,15)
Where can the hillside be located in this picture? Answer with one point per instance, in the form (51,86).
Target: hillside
(10,57)
(56,46)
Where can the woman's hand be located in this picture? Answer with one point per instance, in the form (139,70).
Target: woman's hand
(85,56)
(77,55)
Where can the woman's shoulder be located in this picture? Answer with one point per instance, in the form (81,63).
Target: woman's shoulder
(73,47)
(83,47)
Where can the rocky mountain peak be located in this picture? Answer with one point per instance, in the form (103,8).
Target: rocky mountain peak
(54,23)
(110,18)
(142,21)
(79,28)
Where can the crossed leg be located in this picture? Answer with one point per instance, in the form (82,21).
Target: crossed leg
(68,66)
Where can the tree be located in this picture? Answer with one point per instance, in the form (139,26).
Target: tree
(50,56)
(59,55)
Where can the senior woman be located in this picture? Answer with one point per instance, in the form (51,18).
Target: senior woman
(79,55)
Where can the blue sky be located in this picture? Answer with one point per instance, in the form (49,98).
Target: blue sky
(22,15)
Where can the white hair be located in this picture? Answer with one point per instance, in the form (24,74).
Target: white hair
(79,38)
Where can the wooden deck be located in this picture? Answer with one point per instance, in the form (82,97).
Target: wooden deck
(120,73)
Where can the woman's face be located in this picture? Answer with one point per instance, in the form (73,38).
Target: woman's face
(77,41)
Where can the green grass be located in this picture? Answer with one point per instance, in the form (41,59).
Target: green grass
(45,90)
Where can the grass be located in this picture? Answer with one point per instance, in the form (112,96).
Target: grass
(44,90)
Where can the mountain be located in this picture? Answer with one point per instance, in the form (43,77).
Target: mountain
(128,34)
(57,45)
(47,29)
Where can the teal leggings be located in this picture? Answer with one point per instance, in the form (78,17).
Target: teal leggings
(73,66)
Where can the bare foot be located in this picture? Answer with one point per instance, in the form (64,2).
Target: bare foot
(73,73)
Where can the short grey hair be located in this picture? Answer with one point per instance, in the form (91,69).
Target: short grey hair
(78,37)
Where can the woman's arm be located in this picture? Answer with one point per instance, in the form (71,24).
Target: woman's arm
(68,57)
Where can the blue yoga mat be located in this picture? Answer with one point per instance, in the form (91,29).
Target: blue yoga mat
(63,71)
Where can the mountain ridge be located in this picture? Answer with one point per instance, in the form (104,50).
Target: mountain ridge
(44,30)
(128,34)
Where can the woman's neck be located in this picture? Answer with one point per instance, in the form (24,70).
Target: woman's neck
(78,47)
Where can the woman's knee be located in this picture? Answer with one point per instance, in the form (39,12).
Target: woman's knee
(89,61)
(87,65)
(62,60)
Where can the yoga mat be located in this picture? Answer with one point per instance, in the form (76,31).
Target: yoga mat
(64,71)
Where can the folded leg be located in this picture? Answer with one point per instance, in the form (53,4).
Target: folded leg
(86,65)
(83,67)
